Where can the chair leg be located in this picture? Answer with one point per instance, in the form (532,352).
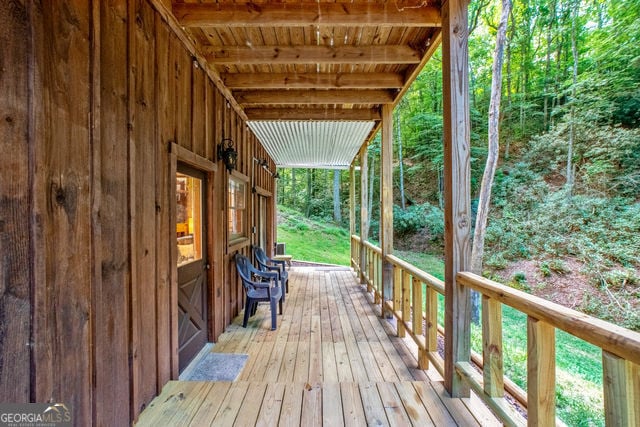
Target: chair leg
(280,301)
(273,314)
(254,307)
(247,309)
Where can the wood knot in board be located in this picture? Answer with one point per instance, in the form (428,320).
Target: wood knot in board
(60,197)
(8,119)
(463,223)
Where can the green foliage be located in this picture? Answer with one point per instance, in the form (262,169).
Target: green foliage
(313,240)
(607,157)
(519,281)
(417,217)
(618,279)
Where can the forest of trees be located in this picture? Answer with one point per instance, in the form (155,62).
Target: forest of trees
(566,195)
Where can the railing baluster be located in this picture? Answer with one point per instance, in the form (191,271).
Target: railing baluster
(432,320)
(416,321)
(541,373)
(398,297)
(406,298)
(492,347)
(416,302)
(621,381)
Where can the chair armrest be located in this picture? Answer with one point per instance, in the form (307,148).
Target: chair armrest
(274,268)
(278,262)
(265,274)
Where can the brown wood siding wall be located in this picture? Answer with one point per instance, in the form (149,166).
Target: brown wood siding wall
(94,94)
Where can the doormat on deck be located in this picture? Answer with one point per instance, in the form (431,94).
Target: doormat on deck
(218,367)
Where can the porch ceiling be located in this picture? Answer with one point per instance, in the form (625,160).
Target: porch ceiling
(317,61)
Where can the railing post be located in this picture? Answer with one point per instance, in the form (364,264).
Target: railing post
(457,189)
(621,381)
(492,347)
(352,212)
(364,212)
(541,373)
(386,205)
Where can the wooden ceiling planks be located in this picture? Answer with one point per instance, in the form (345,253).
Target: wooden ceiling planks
(313,56)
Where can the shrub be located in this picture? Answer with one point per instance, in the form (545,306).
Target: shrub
(617,279)
(417,217)
(519,281)
(545,269)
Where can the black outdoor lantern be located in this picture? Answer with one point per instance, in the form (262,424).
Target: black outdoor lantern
(227,153)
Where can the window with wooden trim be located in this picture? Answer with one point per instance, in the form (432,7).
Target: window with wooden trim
(237,212)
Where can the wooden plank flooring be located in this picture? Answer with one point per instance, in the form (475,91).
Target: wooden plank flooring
(332,361)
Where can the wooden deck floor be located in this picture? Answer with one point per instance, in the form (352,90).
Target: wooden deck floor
(332,361)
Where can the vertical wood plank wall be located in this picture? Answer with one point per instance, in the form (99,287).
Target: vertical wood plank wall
(93,95)
(15,224)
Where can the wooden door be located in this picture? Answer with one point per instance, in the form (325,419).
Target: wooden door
(192,263)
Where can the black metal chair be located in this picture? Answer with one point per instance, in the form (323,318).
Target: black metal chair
(268,264)
(259,286)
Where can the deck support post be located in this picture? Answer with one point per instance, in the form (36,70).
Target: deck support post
(457,209)
(352,213)
(364,211)
(386,206)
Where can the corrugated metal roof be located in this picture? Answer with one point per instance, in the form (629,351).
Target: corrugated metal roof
(312,144)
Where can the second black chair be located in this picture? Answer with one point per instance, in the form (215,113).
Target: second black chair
(268,264)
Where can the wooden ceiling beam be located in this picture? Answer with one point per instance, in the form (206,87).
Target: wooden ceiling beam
(412,14)
(332,114)
(313,80)
(295,96)
(373,54)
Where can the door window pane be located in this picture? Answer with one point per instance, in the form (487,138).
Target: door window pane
(188,218)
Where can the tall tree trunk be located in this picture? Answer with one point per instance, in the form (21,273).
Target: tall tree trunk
(337,215)
(511,30)
(403,202)
(309,191)
(294,191)
(574,52)
(477,251)
(547,70)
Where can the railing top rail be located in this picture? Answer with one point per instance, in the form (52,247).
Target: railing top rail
(372,247)
(608,336)
(421,275)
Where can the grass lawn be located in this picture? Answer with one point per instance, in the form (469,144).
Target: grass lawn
(312,240)
(578,364)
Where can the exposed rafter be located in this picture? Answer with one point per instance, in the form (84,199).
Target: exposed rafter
(259,97)
(332,114)
(306,14)
(296,61)
(313,80)
(374,54)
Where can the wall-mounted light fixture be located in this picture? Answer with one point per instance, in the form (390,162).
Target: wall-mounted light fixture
(228,154)
(264,163)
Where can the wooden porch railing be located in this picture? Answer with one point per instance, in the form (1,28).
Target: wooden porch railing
(620,347)
(410,284)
